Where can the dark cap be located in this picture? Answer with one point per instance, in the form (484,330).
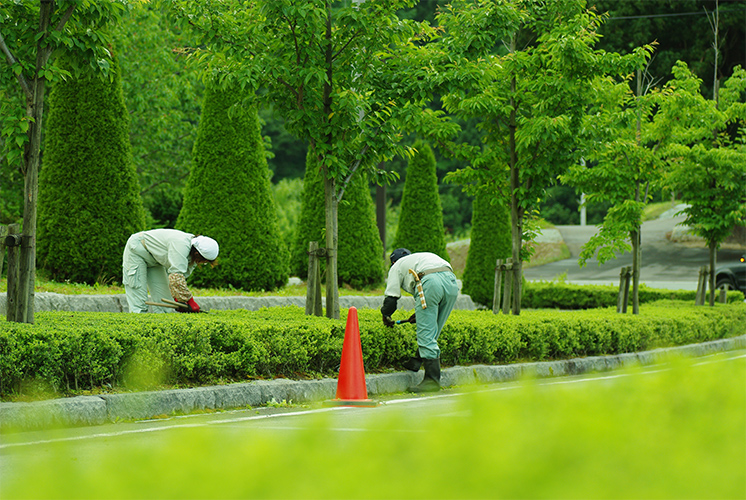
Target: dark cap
(398,254)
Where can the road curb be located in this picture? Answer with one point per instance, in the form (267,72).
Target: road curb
(108,408)
(50,301)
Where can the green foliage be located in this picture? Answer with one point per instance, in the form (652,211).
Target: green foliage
(163,94)
(89,197)
(331,69)
(707,164)
(360,258)
(228,197)
(75,42)
(490,240)
(621,163)
(310,226)
(421,218)
(683,31)
(287,193)
(559,295)
(531,94)
(85,350)
(661,431)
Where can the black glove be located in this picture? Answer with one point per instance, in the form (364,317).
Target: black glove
(413,319)
(387,321)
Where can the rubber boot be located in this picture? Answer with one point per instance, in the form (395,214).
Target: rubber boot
(431,382)
(414,363)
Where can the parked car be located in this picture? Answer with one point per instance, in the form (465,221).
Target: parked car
(733,275)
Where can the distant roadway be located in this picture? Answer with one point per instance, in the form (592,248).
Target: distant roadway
(664,264)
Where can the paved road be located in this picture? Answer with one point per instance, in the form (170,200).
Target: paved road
(664,264)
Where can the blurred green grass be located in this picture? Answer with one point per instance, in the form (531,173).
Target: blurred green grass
(674,431)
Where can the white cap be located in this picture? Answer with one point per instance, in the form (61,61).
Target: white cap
(206,246)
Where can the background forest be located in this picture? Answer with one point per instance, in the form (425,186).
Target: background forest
(163,95)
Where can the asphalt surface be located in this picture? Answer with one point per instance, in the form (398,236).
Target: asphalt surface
(665,264)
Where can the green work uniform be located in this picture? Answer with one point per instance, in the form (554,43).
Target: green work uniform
(440,290)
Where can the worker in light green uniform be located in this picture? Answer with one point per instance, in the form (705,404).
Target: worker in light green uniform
(440,291)
(160,260)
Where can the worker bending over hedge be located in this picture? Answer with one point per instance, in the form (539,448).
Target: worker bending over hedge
(432,282)
(160,260)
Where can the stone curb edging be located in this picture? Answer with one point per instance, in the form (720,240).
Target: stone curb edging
(49,301)
(107,408)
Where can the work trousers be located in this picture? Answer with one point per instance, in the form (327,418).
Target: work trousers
(441,292)
(142,273)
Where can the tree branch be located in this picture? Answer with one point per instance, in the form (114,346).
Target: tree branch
(292,89)
(11,60)
(341,49)
(352,172)
(65,18)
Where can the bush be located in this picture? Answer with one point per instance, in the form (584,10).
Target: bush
(421,219)
(490,240)
(360,251)
(89,196)
(560,295)
(71,352)
(228,197)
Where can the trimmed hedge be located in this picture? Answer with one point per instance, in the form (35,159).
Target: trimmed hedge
(77,351)
(559,295)
(228,196)
(421,220)
(490,240)
(89,194)
(360,261)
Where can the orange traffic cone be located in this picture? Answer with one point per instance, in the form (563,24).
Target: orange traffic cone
(351,390)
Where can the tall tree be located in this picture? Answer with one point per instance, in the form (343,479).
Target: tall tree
(531,93)
(331,69)
(34,37)
(421,218)
(708,160)
(622,164)
(228,197)
(89,197)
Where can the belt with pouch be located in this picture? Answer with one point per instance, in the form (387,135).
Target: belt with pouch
(434,270)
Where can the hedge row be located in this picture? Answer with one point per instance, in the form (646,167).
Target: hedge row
(82,351)
(560,295)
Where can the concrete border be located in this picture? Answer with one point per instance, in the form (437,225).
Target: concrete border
(48,301)
(107,408)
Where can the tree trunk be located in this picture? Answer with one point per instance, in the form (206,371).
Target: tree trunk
(330,188)
(31,160)
(711,275)
(636,235)
(332,274)
(516,213)
(636,238)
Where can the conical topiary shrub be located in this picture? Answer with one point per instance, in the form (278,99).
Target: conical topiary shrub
(360,248)
(490,240)
(311,222)
(228,197)
(360,251)
(421,220)
(89,195)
